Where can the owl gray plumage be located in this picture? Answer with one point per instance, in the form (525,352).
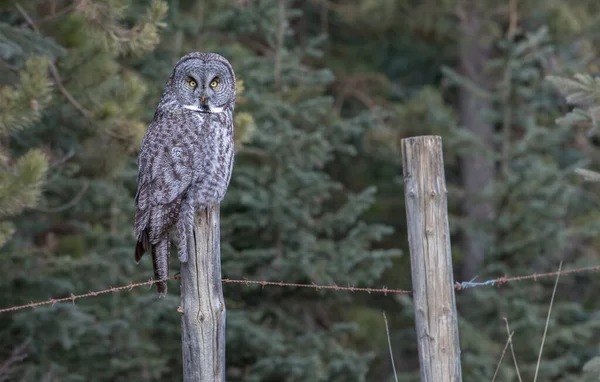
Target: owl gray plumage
(186,157)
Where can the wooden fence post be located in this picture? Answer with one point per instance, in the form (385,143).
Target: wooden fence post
(202,303)
(431,260)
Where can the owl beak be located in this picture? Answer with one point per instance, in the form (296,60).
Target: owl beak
(204,104)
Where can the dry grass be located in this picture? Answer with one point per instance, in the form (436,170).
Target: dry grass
(387,331)
(510,334)
(537,367)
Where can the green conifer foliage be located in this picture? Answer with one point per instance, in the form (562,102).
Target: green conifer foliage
(22,106)
(79,238)
(326,91)
(285,217)
(541,212)
(544,214)
(583,93)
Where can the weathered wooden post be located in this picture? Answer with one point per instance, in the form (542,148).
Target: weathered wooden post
(202,303)
(431,260)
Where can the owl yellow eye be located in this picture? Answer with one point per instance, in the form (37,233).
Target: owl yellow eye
(214,83)
(192,83)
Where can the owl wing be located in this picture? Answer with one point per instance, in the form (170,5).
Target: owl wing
(164,174)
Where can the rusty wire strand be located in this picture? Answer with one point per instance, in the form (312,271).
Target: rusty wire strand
(384,290)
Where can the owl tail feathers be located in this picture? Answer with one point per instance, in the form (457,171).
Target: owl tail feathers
(160,261)
(142,246)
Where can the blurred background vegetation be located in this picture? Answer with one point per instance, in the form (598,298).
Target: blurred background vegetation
(328,88)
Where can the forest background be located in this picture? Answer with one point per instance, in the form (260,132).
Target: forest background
(327,88)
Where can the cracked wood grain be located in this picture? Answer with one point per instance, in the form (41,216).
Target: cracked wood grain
(431,261)
(202,303)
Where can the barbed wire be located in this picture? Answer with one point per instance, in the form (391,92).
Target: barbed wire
(72,297)
(534,276)
(383,290)
(349,288)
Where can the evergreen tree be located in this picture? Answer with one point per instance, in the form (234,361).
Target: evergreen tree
(582,93)
(78,238)
(22,105)
(325,96)
(284,217)
(541,214)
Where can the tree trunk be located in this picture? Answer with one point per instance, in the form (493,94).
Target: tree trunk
(477,168)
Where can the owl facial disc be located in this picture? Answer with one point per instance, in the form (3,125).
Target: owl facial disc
(204,83)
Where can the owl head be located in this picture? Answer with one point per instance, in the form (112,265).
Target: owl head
(203,82)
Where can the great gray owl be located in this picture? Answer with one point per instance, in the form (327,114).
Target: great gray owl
(186,157)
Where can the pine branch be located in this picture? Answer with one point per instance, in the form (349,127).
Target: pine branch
(139,39)
(21,106)
(54,69)
(6,231)
(582,91)
(21,185)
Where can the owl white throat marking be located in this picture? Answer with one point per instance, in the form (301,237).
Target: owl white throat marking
(196,108)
